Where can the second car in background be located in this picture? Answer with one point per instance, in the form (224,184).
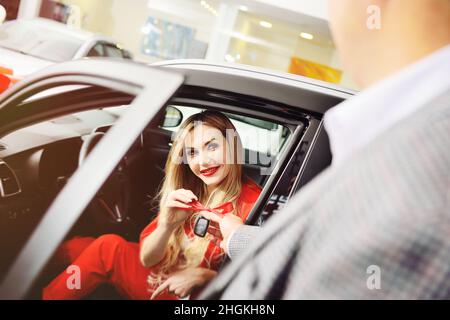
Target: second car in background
(28,45)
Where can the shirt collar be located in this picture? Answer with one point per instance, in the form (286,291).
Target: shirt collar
(359,120)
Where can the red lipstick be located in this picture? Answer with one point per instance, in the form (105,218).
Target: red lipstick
(209,171)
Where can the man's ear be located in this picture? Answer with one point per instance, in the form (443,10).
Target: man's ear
(2,14)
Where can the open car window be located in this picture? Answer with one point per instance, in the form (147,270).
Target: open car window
(258,135)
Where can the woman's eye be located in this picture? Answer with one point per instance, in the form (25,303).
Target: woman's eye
(191,152)
(213,146)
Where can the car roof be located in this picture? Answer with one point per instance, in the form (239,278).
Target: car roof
(310,94)
(70,31)
(219,80)
(246,70)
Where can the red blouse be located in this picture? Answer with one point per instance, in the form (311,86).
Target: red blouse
(214,254)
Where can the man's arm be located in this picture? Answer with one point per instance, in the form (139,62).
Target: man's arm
(236,235)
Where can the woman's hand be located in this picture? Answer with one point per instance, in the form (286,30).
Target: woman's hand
(154,245)
(174,217)
(183,282)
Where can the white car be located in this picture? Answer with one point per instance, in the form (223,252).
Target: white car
(27,45)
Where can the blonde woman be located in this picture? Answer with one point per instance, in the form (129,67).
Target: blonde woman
(203,172)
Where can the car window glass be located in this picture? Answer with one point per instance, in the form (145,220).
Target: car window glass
(97,51)
(281,194)
(113,52)
(257,135)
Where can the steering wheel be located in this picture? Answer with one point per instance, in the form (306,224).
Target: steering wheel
(112,201)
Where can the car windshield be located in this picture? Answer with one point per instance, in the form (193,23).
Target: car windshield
(38,41)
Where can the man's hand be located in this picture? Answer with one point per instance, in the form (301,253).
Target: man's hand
(227,224)
(183,282)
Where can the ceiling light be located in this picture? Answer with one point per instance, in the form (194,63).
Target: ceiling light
(307,36)
(208,7)
(229,58)
(146,29)
(243,8)
(265,24)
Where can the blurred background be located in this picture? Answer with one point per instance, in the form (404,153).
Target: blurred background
(283,35)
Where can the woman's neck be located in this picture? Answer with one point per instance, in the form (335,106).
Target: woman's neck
(210,189)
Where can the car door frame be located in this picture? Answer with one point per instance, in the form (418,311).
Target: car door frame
(152,88)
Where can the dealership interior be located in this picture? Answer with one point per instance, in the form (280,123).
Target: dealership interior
(224,150)
(286,36)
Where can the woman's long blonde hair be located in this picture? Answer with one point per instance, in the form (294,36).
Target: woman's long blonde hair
(179,252)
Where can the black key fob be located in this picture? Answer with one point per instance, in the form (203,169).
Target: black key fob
(201,227)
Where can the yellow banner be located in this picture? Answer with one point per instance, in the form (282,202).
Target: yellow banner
(314,70)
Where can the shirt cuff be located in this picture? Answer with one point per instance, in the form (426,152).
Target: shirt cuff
(241,239)
(228,242)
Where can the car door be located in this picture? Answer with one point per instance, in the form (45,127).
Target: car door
(152,89)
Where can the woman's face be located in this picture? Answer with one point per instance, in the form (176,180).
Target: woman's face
(206,154)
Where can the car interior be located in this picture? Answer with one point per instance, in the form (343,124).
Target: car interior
(38,158)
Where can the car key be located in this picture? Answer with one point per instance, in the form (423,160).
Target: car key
(201,227)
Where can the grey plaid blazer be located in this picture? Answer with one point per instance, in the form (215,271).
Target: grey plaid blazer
(377,227)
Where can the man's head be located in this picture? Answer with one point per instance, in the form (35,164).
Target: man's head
(376,38)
